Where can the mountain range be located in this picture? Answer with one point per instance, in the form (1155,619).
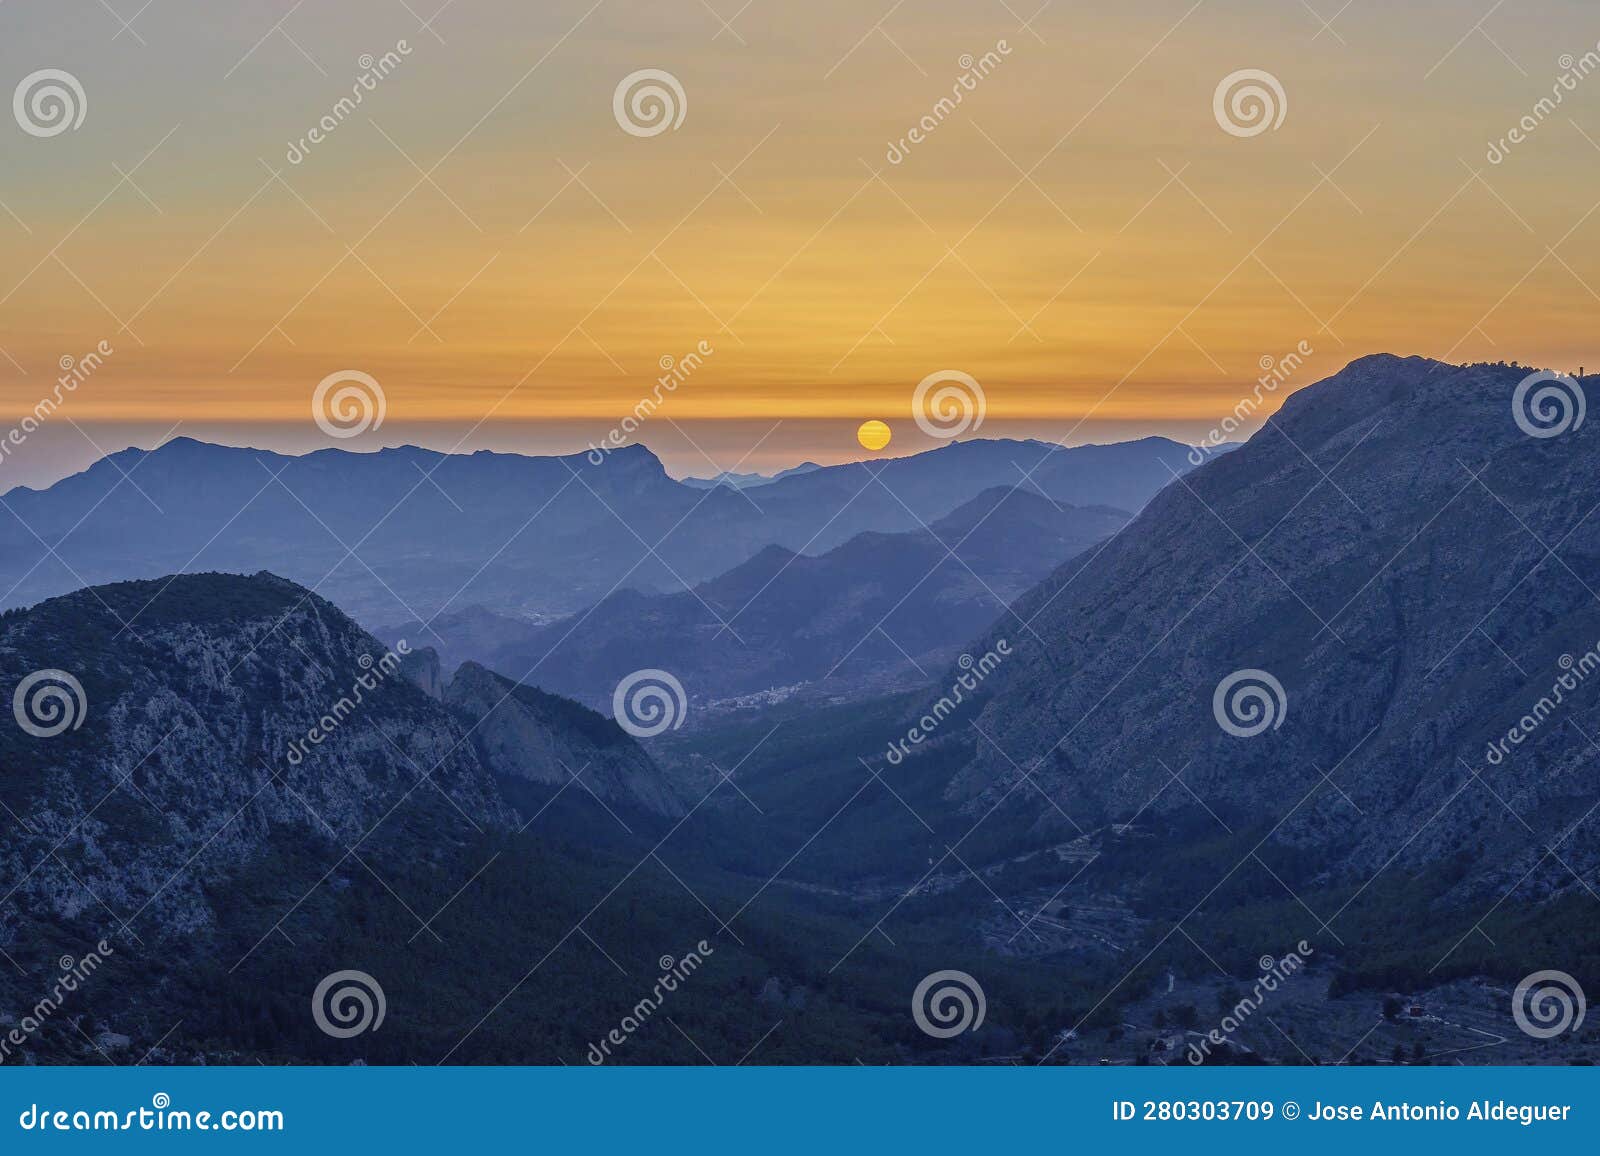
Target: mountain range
(1338,688)
(410,533)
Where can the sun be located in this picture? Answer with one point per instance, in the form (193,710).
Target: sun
(873,435)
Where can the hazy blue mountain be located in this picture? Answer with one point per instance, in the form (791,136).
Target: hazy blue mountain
(747,481)
(407,532)
(881,610)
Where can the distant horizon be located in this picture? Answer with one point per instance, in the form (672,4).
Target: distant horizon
(695,448)
(680,464)
(58,450)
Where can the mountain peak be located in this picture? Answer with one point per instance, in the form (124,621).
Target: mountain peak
(184,446)
(633,452)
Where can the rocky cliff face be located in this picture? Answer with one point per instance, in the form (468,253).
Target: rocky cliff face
(237,716)
(1414,569)
(425,671)
(233,711)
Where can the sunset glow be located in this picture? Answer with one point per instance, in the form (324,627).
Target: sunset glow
(1077,233)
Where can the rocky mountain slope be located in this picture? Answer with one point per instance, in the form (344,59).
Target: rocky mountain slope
(1414,570)
(238,712)
(206,732)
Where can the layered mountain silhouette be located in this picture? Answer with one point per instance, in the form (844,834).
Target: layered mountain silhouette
(406,533)
(880,611)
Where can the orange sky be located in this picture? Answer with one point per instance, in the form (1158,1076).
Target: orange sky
(1079,234)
